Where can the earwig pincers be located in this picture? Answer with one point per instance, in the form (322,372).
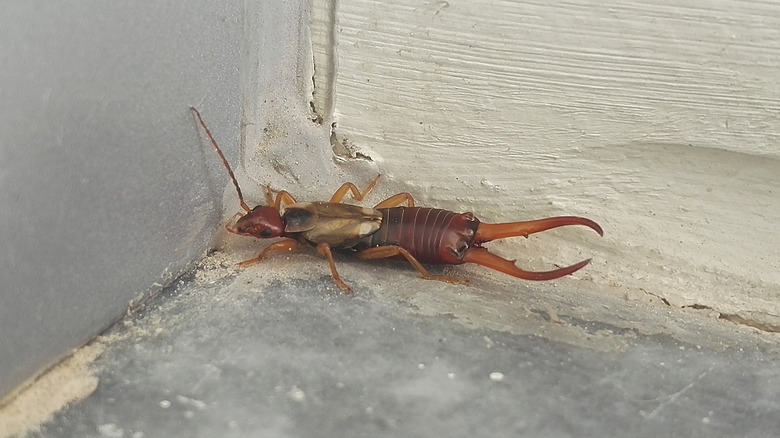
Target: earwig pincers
(388,230)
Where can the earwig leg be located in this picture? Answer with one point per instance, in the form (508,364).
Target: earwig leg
(396,200)
(324,249)
(380,252)
(488,232)
(282,245)
(282,197)
(356,193)
(482,256)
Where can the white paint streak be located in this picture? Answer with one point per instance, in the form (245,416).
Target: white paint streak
(68,382)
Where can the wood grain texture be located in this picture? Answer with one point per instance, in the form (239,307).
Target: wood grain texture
(658,119)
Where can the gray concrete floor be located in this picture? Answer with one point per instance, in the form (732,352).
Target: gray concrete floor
(277,350)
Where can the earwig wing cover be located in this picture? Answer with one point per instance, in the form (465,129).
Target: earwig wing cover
(300,217)
(341,225)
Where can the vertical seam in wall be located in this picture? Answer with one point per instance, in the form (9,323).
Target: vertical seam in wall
(322,23)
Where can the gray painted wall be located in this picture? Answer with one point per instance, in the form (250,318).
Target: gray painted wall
(107,191)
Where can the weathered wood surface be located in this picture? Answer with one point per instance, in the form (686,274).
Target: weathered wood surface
(659,120)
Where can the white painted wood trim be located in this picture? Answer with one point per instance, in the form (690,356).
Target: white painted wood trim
(660,120)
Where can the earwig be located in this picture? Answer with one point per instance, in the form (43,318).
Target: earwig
(388,230)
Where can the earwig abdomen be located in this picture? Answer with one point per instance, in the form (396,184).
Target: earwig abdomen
(431,235)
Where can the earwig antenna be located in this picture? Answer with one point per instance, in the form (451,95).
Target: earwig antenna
(224,160)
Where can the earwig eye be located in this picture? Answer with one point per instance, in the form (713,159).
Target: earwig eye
(266,232)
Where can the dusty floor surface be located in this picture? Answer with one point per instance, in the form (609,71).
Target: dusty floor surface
(277,350)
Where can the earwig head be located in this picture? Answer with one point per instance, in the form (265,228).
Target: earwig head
(263,222)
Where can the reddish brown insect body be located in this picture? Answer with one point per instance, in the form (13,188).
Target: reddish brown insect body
(417,234)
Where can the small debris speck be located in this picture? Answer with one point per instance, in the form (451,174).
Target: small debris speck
(111,430)
(296,394)
(496,376)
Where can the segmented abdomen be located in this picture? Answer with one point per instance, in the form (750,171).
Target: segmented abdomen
(425,232)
